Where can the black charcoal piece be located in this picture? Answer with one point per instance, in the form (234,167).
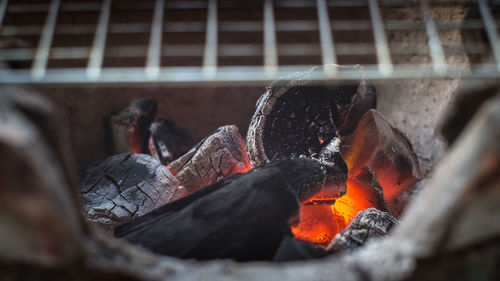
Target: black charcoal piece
(167,141)
(243,217)
(129,129)
(292,249)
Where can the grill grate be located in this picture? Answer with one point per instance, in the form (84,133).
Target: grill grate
(109,41)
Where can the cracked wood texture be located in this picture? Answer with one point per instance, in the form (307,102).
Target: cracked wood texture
(367,225)
(300,118)
(218,156)
(125,186)
(243,217)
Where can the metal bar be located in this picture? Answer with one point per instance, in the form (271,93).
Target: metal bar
(154,50)
(3,9)
(381,45)
(437,53)
(42,53)
(327,47)
(190,75)
(270,45)
(97,52)
(491,30)
(210,54)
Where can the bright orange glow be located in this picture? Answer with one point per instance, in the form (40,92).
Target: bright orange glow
(317,224)
(356,199)
(320,223)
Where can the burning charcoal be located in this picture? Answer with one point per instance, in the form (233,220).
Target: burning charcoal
(292,249)
(317,224)
(125,186)
(294,118)
(167,141)
(368,224)
(322,217)
(129,129)
(218,156)
(375,143)
(243,217)
(40,224)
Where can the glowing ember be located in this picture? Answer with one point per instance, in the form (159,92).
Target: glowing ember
(135,140)
(317,224)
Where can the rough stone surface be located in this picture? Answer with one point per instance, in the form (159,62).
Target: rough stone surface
(39,219)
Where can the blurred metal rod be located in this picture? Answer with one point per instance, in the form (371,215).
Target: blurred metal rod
(94,65)
(154,49)
(42,53)
(437,53)
(270,46)
(3,9)
(210,54)
(381,45)
(327,47)
(491,29)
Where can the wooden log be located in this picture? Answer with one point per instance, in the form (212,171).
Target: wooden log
(367,225)
(125,186)
(218,156)
(378,145)
(129,129)
(167,141)
(243,217)
(40,222)
(300,118)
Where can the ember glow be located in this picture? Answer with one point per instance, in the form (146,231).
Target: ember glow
(135,141)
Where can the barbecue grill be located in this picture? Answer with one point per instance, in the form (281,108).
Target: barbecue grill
(190,42)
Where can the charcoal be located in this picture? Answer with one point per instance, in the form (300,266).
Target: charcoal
(129,129)
(167,141)
(218,156)
(317,223)
(125,186)
(367,225)
(300,118)
(383,148)
(243,217)
(292,249)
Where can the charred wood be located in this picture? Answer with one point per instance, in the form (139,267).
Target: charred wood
(167,141)
(218,156)
(383,148)
(125,186)
(292,249)
(367,225)
(299,118)
(243,217)
(129,129)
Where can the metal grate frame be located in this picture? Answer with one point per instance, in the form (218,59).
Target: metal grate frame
(38,57)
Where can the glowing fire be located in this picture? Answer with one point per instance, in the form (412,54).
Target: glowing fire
(320,223)
(135,140)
